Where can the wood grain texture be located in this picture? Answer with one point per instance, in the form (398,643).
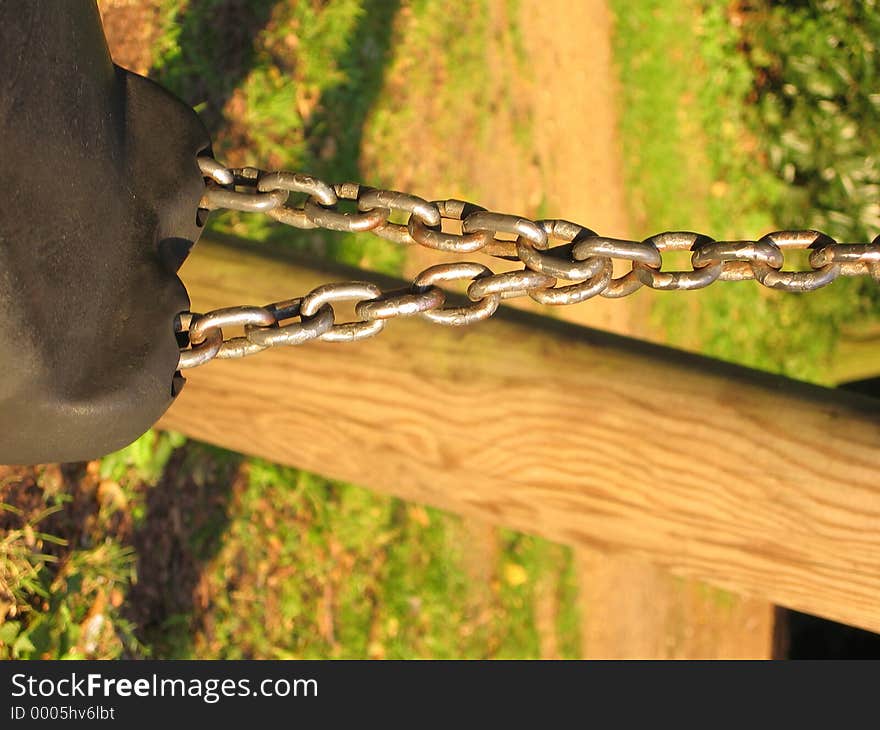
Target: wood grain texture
(753,483)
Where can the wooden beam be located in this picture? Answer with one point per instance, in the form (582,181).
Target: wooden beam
(754,483)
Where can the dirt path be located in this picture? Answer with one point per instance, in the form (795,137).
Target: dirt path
(570,164)
(575,132)
(573,93)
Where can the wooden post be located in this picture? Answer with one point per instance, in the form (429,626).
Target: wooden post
(858,353)
(757,484)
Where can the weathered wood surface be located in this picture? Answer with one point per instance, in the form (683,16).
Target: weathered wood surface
(755,484)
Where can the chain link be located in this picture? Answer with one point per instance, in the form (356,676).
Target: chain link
(579,268)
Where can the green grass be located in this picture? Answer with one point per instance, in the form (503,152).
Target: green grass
(695,160)
(290,565)
(303,110)
(60,599)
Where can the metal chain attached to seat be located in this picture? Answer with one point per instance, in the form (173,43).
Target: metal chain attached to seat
(563,262)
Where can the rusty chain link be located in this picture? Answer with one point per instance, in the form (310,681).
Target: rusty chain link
(563,262)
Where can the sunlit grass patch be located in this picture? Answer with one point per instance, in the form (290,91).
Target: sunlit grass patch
(701,155)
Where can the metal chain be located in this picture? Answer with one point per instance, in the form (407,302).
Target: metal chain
(563,262)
